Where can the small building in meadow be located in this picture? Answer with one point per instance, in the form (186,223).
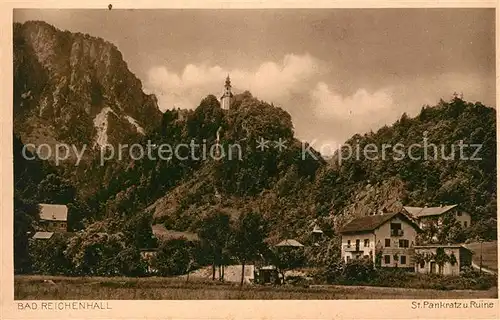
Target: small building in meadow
(267,275)
(442,259)
(53,217)
(387,239)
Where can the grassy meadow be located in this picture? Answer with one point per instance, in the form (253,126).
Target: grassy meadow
(157,288)
(489,253)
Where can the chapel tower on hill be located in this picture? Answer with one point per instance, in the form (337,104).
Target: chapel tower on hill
(225,100)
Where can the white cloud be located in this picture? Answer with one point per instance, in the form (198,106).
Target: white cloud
(271,81)
(358,112)
(321,112)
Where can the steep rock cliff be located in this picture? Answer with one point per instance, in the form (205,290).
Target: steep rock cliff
(74,88)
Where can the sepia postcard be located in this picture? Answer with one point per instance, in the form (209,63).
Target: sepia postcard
(281,160)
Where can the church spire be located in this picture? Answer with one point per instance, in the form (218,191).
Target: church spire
(225,100)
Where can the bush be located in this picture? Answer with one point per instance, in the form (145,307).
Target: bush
(97,253)
(130,263)
(478,280)
(362,273)
(173,257)
(298,281)
(333,272)
(48,256)
(390,277)
(359,270)
(354,271)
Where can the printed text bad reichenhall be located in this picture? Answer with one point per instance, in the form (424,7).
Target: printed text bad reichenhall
(63,305)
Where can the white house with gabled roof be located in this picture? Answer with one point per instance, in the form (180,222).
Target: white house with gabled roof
(387,239)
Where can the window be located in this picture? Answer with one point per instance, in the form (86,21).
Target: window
(387,243)
(387,259)
(459,214)
(396,229)
(348,243)
(403,259)
(465,224)
(367,242)
(348,258)
(422,264)
(396,226)
(403,243)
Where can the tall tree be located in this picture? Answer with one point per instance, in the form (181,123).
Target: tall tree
(173,257)
(287,258)
(248,241)
(441,258)
(25,215)
(54,189)
(215,232)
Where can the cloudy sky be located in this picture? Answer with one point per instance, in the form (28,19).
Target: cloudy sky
(336,71)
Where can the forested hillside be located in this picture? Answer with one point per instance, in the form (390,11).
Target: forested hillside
(292,192)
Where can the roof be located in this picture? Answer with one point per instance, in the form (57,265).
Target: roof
(419,212)
(413,210)
(289,243)
(370,223)
(43,235)
(432,246)
(440,246)
(53,212)
(163,233)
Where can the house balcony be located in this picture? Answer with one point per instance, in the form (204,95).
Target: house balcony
(397,233)
(399,251)
(348,248)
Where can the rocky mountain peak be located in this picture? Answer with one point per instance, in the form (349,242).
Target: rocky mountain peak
(75,88)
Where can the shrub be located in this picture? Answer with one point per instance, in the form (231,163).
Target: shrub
(358,270)
(173,257)
(130,263)
(333,272)
(95,253)
(362,272)
(48,256)
(390,277)
(298,281)
(480,281)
